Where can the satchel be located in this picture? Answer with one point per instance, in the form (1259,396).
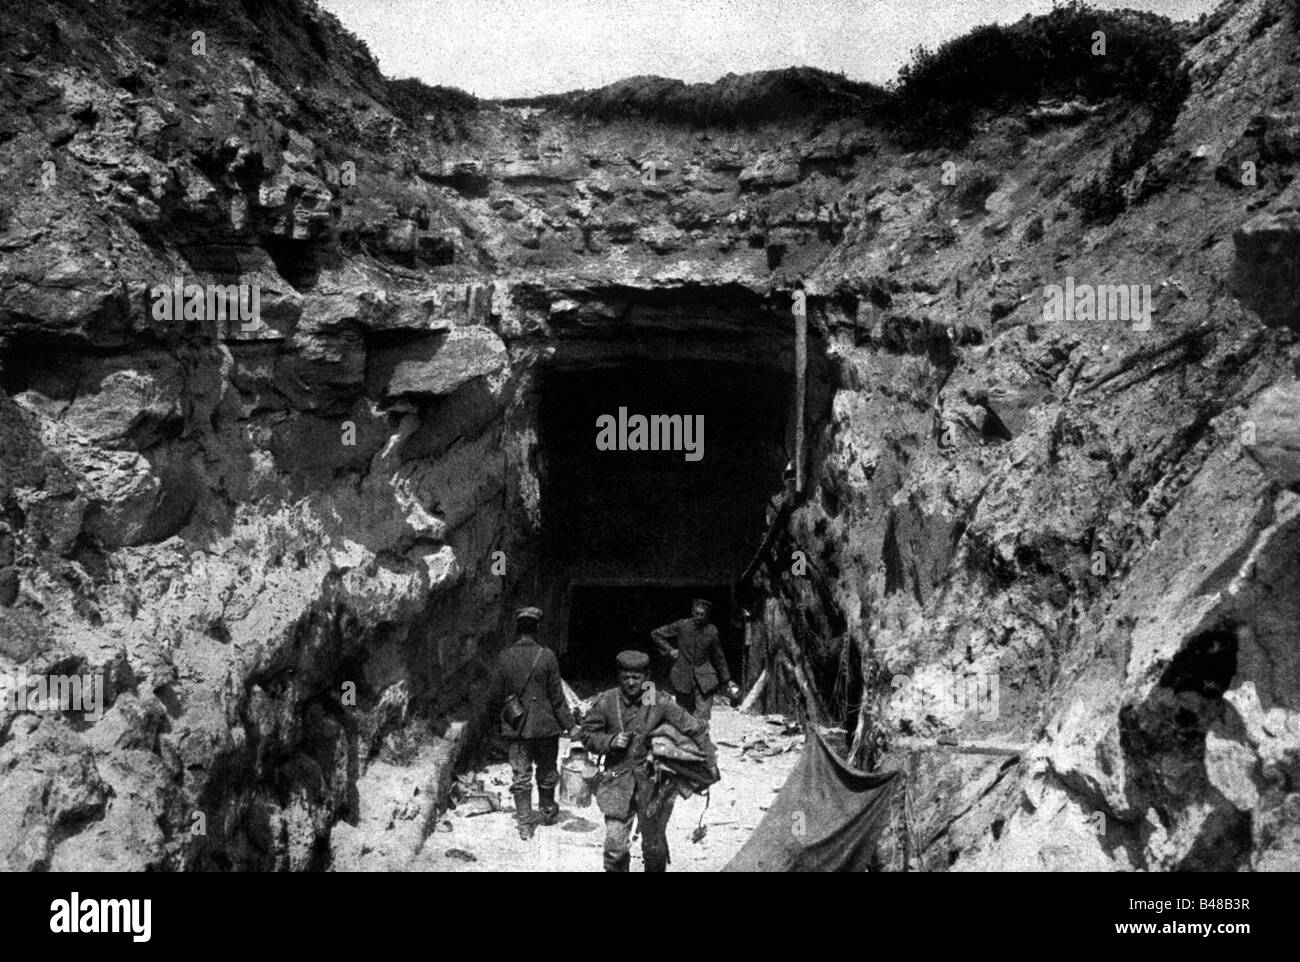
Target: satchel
(614,791)
(513,711)
(616,787)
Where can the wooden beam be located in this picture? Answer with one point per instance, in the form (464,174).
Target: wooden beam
(755,693)
(778,520)
(800,382)
(960,748)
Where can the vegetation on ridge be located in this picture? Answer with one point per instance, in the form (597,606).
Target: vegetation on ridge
(1051,56)
(736,99)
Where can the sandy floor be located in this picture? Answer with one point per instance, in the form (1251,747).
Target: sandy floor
(755,755)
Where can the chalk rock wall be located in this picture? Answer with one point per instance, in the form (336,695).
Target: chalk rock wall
(1098,521)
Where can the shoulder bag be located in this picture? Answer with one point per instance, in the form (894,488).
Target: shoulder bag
(513,711)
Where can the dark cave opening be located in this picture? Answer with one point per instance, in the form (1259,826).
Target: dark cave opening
(630,536)
(604,619)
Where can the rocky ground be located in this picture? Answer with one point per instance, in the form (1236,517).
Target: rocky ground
(755,754)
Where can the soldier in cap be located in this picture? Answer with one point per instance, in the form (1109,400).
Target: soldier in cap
(699,667)
(534,713)
(618,727)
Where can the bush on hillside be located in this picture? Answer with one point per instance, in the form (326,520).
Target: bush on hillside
(419,105)
(1102,199)
(995,68)
(734,100)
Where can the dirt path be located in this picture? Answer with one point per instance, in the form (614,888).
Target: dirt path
(755,755)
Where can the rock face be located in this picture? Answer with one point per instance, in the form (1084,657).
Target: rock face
(1267,274)
(285,545)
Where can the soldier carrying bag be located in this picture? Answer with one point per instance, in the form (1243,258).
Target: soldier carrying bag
(615,788)
(513,711)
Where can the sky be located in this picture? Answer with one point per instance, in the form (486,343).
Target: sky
(516,48)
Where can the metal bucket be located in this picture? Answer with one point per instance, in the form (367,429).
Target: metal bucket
(577,776)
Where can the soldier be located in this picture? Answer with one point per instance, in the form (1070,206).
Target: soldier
(534,713)
(699,667)
(617,726)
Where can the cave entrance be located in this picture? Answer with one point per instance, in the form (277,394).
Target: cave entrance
(628,537)
(605,618)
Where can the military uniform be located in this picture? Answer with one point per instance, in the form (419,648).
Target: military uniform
(533,673)
(627,786)
(699,667)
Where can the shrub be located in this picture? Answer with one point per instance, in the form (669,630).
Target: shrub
(731,101)
(995,68)
(415,102)
(1102,199)
(1208,23)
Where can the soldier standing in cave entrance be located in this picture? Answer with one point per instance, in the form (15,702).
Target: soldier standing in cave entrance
(699,666)
(619,726)
(529,695)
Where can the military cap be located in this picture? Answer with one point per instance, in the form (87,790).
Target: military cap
(703,601)
(528,614)
(633,661)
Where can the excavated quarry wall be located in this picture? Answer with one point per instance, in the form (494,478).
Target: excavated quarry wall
(288,550)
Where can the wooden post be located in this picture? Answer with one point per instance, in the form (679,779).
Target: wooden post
(755,693)
(858,748)
(800,308)
(812,704)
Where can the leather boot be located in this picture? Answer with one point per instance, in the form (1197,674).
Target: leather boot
(524,814)
(548,811)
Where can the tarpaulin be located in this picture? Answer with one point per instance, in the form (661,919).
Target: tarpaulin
(827,818)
